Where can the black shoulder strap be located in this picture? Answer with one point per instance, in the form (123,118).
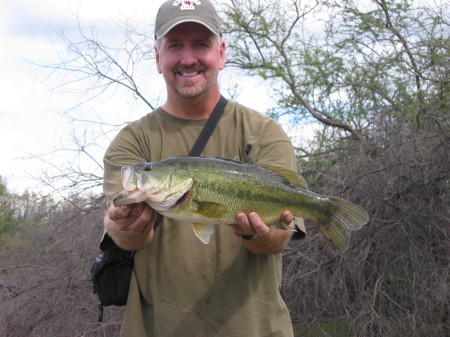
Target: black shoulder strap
(202,139)
(208,128)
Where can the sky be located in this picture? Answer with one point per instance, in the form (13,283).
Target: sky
(31,110)
(36,112)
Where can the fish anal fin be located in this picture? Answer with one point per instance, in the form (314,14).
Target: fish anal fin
(299,225)
(203,232)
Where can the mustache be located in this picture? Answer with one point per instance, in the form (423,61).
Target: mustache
(190,69)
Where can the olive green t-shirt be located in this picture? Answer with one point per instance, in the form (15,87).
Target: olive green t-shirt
(181,287)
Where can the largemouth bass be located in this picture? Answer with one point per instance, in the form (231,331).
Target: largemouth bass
(211,191)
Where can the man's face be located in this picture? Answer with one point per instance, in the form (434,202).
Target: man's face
(190,57)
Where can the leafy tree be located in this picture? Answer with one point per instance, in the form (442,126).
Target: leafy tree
(7,211)
(343,63)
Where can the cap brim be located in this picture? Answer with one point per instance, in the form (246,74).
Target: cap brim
(168,26)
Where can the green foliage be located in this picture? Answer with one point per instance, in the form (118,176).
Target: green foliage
(21,212)
(7,210)
(357,62)
(335,328)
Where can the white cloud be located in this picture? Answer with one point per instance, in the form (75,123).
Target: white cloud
(30,118)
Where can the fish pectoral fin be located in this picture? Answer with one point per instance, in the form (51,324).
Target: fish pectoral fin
(210,209)
(203,232)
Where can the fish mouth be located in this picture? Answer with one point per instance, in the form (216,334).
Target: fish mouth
(169,202)
(129,197)
(183,198)
(136,196)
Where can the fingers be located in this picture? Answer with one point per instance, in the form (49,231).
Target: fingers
(120,212)
(287,217)
(251,224)
(137,218)
(147,218)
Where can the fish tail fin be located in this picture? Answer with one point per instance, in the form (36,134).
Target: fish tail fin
(344,217)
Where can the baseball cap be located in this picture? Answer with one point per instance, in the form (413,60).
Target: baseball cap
(174,12)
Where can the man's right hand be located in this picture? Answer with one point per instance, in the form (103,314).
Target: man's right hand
(131,226)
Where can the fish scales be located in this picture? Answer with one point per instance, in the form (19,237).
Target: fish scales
(257,189)
(210,191)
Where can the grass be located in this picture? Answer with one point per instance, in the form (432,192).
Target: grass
(330,328)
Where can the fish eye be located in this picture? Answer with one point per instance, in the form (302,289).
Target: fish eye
(148,167)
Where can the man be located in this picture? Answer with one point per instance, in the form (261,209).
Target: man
(179,286)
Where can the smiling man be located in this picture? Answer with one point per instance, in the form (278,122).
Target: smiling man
(179,286)
(190,57)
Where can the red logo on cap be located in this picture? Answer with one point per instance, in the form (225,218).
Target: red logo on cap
(187,4)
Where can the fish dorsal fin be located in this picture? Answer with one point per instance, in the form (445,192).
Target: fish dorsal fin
(234,160)
(292,177)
